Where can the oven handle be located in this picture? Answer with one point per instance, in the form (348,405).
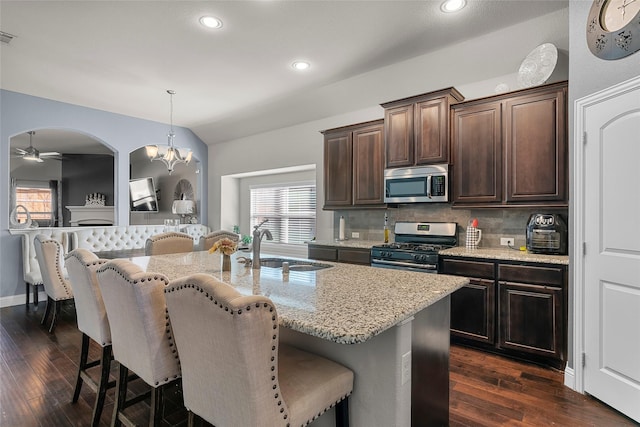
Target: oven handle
(404,264)
(429,186)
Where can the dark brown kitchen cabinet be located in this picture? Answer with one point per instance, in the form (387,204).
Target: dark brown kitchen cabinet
(532,310)
(477,153)
(341,254)
(518,309)
(354,166)
(510,150)
(417,128)
(473,306)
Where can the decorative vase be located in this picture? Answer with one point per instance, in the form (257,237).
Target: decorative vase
(226,262)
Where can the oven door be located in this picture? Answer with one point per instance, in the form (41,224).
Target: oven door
(406,266)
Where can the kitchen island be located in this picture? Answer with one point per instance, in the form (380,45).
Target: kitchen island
(390,327)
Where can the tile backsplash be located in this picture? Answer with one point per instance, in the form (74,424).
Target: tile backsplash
(494,222)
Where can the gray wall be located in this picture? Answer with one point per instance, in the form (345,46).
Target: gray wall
(84,174)
(587,74)
(122,134)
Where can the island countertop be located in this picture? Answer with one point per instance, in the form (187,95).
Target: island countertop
(345,303)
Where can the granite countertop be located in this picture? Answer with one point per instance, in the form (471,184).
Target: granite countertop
(349,243)
(346,303)
(505,254)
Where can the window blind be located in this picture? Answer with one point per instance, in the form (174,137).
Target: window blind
(290,209)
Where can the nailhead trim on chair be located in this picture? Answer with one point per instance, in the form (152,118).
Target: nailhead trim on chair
(168,331)
(58,272)
(239,312)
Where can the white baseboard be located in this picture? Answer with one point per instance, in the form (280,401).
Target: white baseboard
(570,378)
(20,300)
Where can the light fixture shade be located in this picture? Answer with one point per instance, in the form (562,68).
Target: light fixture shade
(183,207)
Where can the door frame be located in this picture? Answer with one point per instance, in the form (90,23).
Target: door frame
(574,375)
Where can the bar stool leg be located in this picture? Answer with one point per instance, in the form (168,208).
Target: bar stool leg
(121,394)
(47,310)
(103,384)
(84,354)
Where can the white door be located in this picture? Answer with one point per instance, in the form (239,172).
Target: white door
(612,260)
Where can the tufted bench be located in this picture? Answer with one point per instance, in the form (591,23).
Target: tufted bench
(126,238)
(30,268)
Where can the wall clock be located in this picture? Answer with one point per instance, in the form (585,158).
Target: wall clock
(613,28)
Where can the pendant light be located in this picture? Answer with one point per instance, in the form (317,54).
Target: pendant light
(169,154)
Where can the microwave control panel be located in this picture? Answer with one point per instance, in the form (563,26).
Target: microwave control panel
(438,185)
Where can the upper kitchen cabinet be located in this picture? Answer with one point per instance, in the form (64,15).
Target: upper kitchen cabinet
(417,128)
(354,166)
(511,149)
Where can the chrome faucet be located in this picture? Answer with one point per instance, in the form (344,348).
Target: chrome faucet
(257,238)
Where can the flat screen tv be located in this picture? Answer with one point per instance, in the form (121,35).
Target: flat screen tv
(142,194)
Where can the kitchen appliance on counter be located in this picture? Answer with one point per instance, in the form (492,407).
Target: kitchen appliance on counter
(547,234)
(416,246)
(421,184)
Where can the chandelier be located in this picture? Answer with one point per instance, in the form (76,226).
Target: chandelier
(169,154)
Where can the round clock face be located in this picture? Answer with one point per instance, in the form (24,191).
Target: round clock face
(613,28)
(616,14)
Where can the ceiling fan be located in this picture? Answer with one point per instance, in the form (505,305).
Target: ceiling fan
(33,154)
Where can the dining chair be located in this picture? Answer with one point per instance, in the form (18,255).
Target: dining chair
(49,254)
(234,370)
(170,242)
(93,323)
(141,334)
(207,241)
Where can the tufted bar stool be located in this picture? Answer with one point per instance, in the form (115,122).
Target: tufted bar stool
(49,253)
(207,241)
(93,323)
(171,242)
(235,372)
(141,333)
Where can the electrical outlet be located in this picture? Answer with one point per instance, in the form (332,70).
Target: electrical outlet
(406,367)
(355,235)
(507,241)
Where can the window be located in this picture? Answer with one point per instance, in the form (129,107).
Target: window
(39,203)
(290,209)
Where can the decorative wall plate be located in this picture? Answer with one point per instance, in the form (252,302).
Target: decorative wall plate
(183,191)
(537,67)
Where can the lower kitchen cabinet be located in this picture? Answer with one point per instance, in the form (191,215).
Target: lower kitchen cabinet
(519,309)
(340,254)
(472,311)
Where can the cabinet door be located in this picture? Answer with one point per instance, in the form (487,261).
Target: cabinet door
(477,155)
(399,136)
(473,311)
(368,165)
(432,132)
(536,147)
(531,319)
(337,169)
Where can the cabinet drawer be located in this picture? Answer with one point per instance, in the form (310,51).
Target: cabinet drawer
(549,276)
(355,256)
(482,270)
(322,253)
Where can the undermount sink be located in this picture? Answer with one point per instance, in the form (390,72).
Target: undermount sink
(294,264)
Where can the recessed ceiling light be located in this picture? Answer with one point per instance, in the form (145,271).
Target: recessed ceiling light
(301,65)
(211,22)
(452,5)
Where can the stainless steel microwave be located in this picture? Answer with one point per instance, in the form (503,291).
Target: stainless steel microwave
(421,184)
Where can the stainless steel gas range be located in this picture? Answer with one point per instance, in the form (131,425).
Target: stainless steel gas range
(416,246)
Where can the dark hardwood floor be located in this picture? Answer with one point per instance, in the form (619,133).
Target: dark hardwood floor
(37,375)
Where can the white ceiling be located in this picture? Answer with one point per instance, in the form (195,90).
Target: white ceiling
(122,56)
